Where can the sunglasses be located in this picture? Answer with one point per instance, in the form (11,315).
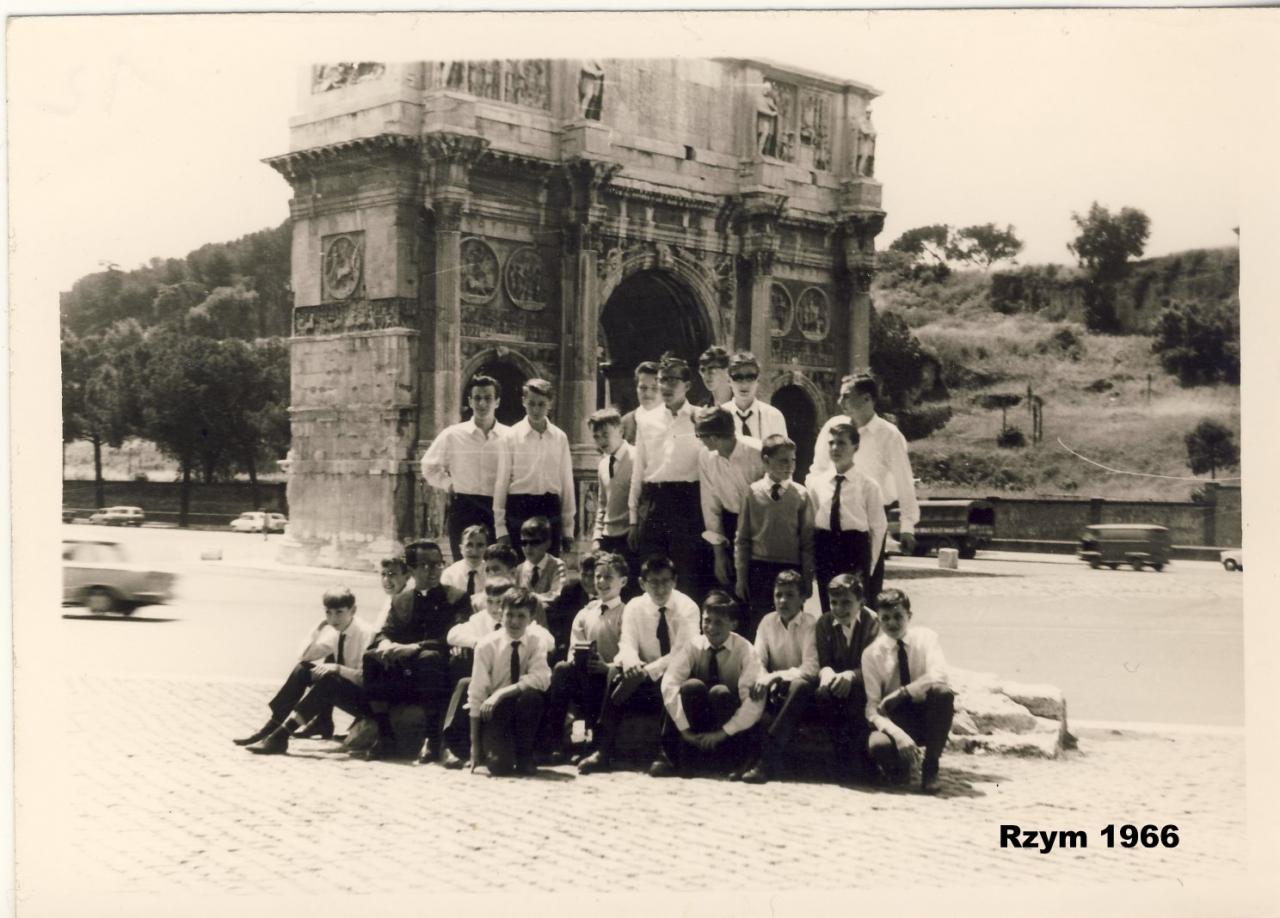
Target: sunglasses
(744,377)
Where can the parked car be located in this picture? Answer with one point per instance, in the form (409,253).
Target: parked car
(1136,544)
(1233,559)
(256,521)
(96,573)
(118,516)
(965,525)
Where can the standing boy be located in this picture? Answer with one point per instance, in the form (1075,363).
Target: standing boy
(648,398)
(726,468)
(841,636)
(756,418)
(908,699)
(535,472)
(775,532)
(614,476)
(848,514)
(713,367)
(467,573)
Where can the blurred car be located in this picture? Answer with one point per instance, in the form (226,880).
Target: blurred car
(118,516)
(97,573)
(1233,559)
(68,515)
(256,521)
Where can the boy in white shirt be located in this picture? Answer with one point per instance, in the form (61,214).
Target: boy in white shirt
(753,417)
(467,573)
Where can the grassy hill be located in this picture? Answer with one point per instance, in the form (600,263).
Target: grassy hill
(1094,390)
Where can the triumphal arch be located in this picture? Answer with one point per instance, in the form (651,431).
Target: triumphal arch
(559,218)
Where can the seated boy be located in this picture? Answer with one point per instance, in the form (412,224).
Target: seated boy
(655,624)
(908,699)
(467,573)
(775,532)
(579,681)
(788,655)
(707,691)
(508,679)
(841,635)
(542,574)
(327,674)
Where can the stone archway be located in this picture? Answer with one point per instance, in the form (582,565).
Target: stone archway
(803,405)
(511,369)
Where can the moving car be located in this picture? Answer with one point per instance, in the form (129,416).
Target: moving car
(1136,544)
(1233,559)
(256,520)
(118,516)
(96,573)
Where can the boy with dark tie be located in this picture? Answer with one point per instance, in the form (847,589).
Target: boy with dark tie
(707,692)
(848,514)
(841,636)
(541,573)
(467,573)
(535,472)
(612,522)
(908,699)
(754,417)
(508,679)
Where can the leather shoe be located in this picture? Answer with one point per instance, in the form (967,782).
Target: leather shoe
(316,728)
(929,782)
(661,768)
(593,763)
(756,774)
(452,761)
(257,736)
(274,743)
(381,749)
(428,753)
(527,768)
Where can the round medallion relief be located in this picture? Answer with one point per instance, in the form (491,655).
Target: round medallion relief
(479,280)
(781,311)
(814,314)
(526,279)
(343,263)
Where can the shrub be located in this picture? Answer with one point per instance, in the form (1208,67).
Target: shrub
(1010,438)
(1199,344)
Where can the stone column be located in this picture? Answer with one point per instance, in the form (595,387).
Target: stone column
(759,227)
(859,231)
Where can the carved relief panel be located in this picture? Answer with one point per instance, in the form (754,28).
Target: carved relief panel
(327,77)
(342,266)
(525,277)
(814,314)
(520,82)
(479,271)
(781,311)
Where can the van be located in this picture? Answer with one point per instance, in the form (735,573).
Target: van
(1113,544)
(965,525)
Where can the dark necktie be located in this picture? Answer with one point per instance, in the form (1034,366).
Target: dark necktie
(471,582)
(835,505)
(746,431)
(613,461)
(533,578)
(515,662)
(904,668)
(776,490)
(664,633)
(342,641)
(713,668)
(842,646)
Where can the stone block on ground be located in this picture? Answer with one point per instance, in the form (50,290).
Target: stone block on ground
(993,712)
(970,680)
(963,725)
(409,724)
(1044,740)
(1041,700)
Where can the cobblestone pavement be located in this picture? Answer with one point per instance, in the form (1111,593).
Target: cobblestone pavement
(160,802)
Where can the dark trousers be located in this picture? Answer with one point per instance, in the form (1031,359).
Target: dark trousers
(788,702)
(468,510)
(875,583)
(521,507)
(840,553)
(623,693)
(422,680)
(760,578)
(455,731)
(845,721)
(670,524)
(571,687)
(507,737)
(707,708)
(310,698)
(928,722)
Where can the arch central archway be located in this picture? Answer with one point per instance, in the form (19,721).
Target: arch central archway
(648,313)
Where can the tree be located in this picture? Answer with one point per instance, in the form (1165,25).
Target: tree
(1104,247)
(985,245)
(1002,401)
(932,242)
(908,375)
(1211,446)
(1199,344)
(98,401)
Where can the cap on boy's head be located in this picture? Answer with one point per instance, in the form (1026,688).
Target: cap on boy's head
(656,564)
(714,357)
(646,368)
(721,603)
(713,421)
(537,528)
(774,444)
(614,561)
(894,597)
(519,598)
(503,553)
(537,386)
(789,578)
(480,380)
(605,417)
(417,551)
(393,563)
(847,583)
(674,367)
(338,597)
(744,360)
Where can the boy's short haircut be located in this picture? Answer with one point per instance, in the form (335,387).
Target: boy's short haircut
(656,564)
(714,357)
(673,366)
(537,386)
(722,603)
(519,598)
(605,417)
(848,583)
(536,527)
(646,368)
(481,380)
(496,586)
(394,563)
(339,597)
(789,578)
(861,384)
(893,597)
(744,359)
(474,529)
(614,561)
(414,551)
(713,421)
(588,562)
(849,430)
(502,553)
(774,444)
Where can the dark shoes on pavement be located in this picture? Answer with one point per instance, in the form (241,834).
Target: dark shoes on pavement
(661,768)
(593,763)
(316,728)
(257,736)
(756,774)
(274,743)
(452,761)
(929,783)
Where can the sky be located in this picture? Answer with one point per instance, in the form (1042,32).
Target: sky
(141,137)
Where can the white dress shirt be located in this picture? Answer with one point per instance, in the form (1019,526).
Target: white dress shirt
(763,420)
(723,483)
(323,642)
(534,463)
(481,624)
(613,492)
(491,670)
(464,459)
(667,449)
(880,666)
(455,575)
(549,583)
(739,669)
(601,622)
(639,641)
(882,457)
(788,650)
(861,505)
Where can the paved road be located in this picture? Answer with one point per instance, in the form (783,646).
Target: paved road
(1122,645)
